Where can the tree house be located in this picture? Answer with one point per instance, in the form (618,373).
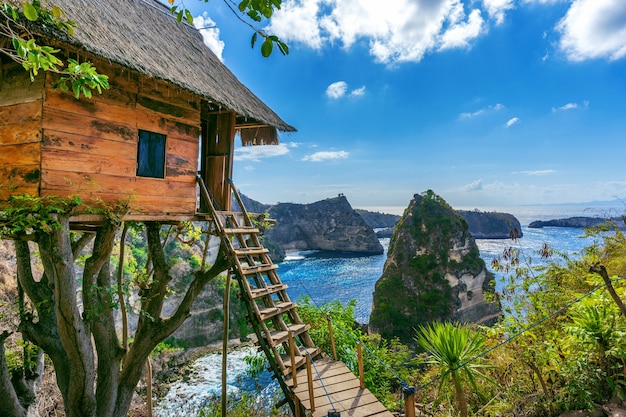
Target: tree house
(171,114)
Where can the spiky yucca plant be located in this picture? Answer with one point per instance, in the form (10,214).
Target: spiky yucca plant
(455,349)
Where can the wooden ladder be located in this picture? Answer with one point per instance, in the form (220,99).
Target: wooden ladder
(271,313)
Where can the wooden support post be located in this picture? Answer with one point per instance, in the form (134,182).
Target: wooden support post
(148,385)
(409,401)
(292,353)
(361,372)
(309,374)
(225,344)
(332,336)
(297,406)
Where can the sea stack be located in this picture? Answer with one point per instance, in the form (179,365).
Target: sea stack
(433,272)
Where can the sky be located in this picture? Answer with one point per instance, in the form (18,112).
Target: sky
(489,103)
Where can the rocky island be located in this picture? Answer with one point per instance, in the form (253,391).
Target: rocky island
(433,272)
(330,225)
(491,225)
(579,222)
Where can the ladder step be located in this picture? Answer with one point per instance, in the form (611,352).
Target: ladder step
(280,308)
(251,251)
(280,336)
(241,230)
(253,270)
(300,360)
(270,289)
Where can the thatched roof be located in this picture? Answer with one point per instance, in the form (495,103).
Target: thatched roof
(144,36)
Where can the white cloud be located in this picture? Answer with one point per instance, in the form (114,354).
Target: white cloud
(594,29)
(210,34)
(490,108)
(568,106)
(497,9)
(325,156)
(358,92)
(398,31)
(258,152)
(511,122)
(474,185)
(337,90)
(459,35)
(537,173)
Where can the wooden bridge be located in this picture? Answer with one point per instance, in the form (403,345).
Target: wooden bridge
(311,382)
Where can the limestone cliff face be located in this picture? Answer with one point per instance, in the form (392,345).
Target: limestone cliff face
(330,224)
(433,272)
(492,225)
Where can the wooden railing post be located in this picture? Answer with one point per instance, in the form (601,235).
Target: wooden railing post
(361,372)
(409,401)
(292,353)
(297,405)
(309,373)
(332,336)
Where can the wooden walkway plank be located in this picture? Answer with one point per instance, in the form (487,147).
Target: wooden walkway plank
(336,387)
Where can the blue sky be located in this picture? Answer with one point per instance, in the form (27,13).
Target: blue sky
(489,103)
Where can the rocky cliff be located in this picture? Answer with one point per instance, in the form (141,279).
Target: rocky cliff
(330,225)
(579,222)
(491,225)
(433,272)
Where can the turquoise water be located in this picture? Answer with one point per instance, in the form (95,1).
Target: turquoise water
(328,276)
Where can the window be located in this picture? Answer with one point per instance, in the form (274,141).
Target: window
(151,155)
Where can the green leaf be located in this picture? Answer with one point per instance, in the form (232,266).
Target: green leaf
(254,38)
(30,11)
(283,48)
(243,6)
(266,48)
(188,16)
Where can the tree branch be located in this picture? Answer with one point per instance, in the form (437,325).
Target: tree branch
(10,405)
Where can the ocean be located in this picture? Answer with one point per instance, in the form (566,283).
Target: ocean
(328,276)
(325,276)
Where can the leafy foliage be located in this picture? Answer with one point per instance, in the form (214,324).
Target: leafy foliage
(255,10)
(454,349)
(82,78)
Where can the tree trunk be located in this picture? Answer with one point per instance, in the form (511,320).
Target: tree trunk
(58,261)
(67,328)
(460,395)
(10,405)
(601,270)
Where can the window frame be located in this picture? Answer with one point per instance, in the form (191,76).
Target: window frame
(151,154)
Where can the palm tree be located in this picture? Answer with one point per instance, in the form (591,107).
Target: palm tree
(454,349)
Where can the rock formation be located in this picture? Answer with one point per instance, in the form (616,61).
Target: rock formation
(491,225)
(330,225)
(579,222)
(433,272)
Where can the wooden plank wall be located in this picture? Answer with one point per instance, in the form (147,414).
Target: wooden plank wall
(89,146)
(20,131)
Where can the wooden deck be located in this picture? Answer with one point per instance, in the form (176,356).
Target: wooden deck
(335,388)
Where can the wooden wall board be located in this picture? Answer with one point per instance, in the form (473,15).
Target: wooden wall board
(18,113)
(16,86)
(121,186)
(20,154)
(90,146)
(19,179)
(62,121)
(27,132)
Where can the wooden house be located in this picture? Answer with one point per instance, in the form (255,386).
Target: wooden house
(171,114)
